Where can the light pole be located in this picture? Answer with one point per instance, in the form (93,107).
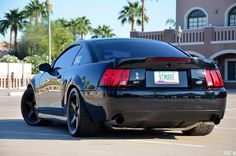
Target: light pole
(49,10)
(178,33)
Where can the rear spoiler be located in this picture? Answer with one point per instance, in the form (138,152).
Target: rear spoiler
(162,62)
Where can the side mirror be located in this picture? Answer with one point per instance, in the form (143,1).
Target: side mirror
(45,67)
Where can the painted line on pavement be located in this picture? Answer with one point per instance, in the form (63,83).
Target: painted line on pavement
(9,110)
(229,117)
(9,118)
(226,128)
(231,109)
(168,143)
(41,134)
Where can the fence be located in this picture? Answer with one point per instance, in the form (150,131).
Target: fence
(192,36)
(14,75)
(157,35)
(225,34)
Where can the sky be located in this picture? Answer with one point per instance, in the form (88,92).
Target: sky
(102,12)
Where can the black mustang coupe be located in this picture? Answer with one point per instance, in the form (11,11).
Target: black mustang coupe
(129,83)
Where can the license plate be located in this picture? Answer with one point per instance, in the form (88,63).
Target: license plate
(166,77)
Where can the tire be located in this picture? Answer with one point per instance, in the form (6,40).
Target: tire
(200,130)
(28,109)
(79,122)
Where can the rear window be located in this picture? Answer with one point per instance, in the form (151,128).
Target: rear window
(109,49)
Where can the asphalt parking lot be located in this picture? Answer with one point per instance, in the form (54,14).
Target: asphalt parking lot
(19,139)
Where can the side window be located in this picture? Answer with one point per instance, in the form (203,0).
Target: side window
(67,58)
(83,56)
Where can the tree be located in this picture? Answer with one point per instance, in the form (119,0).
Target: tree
(143,13)
(103,32)
(81,26)
(131,14)
(35,11)
(170,22)
(61,38)
(84,26)
(1,30)
(35,40)
(36,60)
(14,20)
(63,22)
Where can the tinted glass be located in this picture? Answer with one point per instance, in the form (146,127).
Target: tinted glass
(134,48)
(83,56)
(67,58)
(231,70)
(197,19)
(197,13)
(232,17)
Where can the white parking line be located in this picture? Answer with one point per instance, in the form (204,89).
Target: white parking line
(9,118)
(229,117)
(168,143)
(40,134)
(231,109)
(9,110)
(226,128)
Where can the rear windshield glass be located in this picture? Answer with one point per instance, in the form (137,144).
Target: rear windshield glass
(109,49)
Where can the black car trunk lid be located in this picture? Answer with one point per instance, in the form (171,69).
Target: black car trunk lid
(166,72)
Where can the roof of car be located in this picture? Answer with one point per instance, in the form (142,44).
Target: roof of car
(114,39)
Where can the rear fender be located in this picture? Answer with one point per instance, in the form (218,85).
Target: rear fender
(97,113)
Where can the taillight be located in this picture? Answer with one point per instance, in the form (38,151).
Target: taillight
(208,78)
(220,77)
(115,78)
(213,78)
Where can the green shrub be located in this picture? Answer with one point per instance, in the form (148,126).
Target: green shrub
(10,59)
(36,60)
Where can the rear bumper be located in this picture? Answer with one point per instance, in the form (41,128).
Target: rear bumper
(159,109)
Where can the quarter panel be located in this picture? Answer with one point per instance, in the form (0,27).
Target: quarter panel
(35,82)
(86,78)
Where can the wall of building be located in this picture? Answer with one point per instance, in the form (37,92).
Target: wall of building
(221,65)
(211,49)
(216,10)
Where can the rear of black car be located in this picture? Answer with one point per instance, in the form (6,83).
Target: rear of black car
(152,84)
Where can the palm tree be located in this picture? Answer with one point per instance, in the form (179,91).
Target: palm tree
(143,13)
(2,32)
(14,20)
(103,32)
(81,26)
(171,22)
(63,21)
(72,26)
(84,26)
(35,11)
(131,14)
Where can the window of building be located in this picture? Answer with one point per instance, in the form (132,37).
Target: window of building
(197,19)
(232,17)
(230,70)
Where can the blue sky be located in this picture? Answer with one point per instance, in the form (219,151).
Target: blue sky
(102,12)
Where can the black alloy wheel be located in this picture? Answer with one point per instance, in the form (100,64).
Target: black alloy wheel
(79,122)
(28,109)
(73,111)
